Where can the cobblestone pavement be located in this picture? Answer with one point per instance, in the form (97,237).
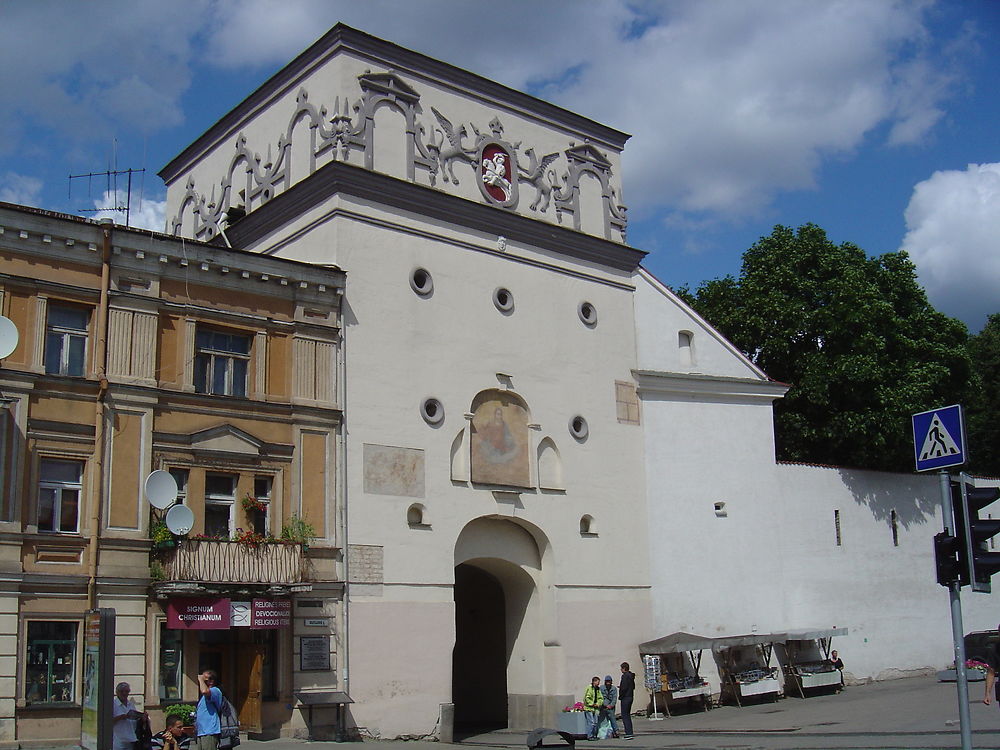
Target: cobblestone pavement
(899,714)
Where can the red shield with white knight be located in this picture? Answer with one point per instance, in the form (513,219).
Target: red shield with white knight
(497,176)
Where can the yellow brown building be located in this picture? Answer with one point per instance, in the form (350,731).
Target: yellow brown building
(139,352)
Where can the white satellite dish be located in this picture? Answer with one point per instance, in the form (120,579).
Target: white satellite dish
(180,519)
(160,489)
(8,337)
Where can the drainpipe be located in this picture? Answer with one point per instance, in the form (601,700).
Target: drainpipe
(345,638)
(100,367)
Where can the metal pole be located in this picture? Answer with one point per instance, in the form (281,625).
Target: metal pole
(957,631)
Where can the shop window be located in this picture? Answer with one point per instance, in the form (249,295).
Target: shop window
(220,493)
(66,340)
(49,673)
(59,488)
(262,487)
(220,362)
(171,663)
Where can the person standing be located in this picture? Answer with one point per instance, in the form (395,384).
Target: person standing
(610,695)
(838,664)
(123,718)
(593,701)
(207,725)
(626,694)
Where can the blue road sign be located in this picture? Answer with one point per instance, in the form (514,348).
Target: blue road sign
(939,438)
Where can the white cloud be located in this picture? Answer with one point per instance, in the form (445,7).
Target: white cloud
(953,237)
(145,214)
(82,70)
(19,188)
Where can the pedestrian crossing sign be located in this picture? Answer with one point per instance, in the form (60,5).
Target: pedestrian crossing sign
(939,438)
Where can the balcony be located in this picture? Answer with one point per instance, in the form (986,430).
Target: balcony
(205,564)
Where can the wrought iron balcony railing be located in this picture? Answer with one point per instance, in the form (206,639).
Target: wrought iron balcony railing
(218,561)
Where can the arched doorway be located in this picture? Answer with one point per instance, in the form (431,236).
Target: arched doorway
(479,663)
(497,665)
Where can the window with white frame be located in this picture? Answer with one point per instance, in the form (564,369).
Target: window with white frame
(220,494)
(181,479)
(60,485)
(262,494)
(66,340)
(221,361)
(51,662)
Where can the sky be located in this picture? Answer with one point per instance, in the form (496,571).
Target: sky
(876,120)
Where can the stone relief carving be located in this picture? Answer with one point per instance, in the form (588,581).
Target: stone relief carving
(349,128)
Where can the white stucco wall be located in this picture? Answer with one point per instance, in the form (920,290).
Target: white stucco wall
(771,563)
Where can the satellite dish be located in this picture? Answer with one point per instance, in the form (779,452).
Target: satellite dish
(180,519)
(8,337)
(160,489)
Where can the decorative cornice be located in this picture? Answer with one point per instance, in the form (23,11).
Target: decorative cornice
(339,178)
(690,385)
(343,38)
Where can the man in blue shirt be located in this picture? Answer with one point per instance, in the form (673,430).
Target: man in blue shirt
(207,726)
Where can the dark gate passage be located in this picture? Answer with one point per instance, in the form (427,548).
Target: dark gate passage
(479,661)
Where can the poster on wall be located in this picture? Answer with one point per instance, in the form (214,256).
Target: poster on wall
(314,653)
(98,678)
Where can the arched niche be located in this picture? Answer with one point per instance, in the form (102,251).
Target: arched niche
(550,471)
(499,439)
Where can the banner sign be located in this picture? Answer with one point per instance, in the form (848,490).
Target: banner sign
(267,614)
(199,613)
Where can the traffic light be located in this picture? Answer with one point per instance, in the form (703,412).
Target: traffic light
(946,560)
(978,564)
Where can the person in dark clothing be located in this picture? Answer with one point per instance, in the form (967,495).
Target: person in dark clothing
(626,693)
(838,664)
(992,658)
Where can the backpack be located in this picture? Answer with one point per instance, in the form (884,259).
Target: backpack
(229,724)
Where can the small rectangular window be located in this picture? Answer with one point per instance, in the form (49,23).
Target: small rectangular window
(51,662)
(221,362)
(258,517)
(66,340)
(220,494)
(836,526)
(60,484)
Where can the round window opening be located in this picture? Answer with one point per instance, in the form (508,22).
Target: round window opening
(432,411)
(588,313)
(503,299)
(421,281)
(578,427)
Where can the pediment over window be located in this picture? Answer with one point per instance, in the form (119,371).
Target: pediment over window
(227,439)
(224,439)
(588,153)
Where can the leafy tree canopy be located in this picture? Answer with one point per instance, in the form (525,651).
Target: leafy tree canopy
(983,414)
(853,335)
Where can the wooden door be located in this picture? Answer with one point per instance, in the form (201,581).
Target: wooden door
(250,663)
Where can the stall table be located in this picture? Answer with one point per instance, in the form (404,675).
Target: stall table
(753,678)
(805,675)
(681,686)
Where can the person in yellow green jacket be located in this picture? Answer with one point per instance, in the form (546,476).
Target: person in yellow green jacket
(593,702)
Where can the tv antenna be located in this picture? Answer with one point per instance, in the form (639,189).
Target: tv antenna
(111,175)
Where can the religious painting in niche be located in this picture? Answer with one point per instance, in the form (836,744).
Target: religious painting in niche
(499,439)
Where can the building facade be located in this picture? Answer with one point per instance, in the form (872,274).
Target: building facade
(140,352)
(520,455)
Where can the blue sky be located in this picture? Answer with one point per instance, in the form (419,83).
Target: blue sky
(877,120)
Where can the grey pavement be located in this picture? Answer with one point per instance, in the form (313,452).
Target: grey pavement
(913,713)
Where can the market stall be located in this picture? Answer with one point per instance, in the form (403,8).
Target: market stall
(680,664)
(807,653)
(745,665)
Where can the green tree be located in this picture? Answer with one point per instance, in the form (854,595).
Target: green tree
(854,337)
(983,414)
